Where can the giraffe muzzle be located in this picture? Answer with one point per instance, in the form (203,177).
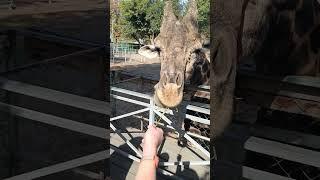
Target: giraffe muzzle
(169,91)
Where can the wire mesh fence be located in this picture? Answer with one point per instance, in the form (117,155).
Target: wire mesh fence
(200,131)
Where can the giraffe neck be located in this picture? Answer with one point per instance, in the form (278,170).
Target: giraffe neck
(200,70)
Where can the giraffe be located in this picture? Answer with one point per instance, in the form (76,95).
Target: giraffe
(180,48)
(282,36)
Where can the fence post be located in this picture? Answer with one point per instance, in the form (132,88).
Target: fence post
(125,54)
(151,112)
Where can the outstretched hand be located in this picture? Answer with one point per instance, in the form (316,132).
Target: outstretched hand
(152,139)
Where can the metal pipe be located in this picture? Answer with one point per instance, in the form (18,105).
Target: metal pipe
(197,119)
(132,93)
(123,81)
(51,60)
(198,109)
(151,113)
(125,140)
(130,100)
(134,158)
(129,114)
(185,163)
(199,136)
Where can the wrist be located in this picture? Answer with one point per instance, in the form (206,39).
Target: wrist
(149,151)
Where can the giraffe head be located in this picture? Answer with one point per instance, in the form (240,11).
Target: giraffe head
(177,42)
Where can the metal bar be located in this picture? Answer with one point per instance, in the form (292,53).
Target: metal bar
(56,37)
(185,163)
(123,81)
(199,136)
(288,136)
(86,173)
(166,111)
(194,118)
(197,119)
(198,109)
(130,100)
(123,153)
(201,105)
(249,81)
(51,60)
(56,96)
(132,93)
(129,114)
(255,174)
(204,151)
(154,81)
(207,87)
(157,123)
(190,107)
(151,113)
(56,121)
(284,151)
(170,127)
(63,166)
(125,140)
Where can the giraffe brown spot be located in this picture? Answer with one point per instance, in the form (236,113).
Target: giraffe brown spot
(315,40)
(304,18)
(205,67)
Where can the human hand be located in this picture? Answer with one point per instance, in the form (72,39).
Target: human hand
(152,139)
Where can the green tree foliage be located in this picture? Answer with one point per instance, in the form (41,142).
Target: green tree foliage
(140,19)
(204,17)
(180,9)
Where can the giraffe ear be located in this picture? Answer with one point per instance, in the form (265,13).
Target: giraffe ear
(149,51)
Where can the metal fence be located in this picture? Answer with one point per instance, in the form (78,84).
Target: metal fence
(26,87)
(149,113)
(61,98)
(123,51)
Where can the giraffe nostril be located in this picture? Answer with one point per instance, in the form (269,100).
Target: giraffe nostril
(163,80)
(179,79)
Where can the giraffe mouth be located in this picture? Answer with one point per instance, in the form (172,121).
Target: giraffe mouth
(170,95)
